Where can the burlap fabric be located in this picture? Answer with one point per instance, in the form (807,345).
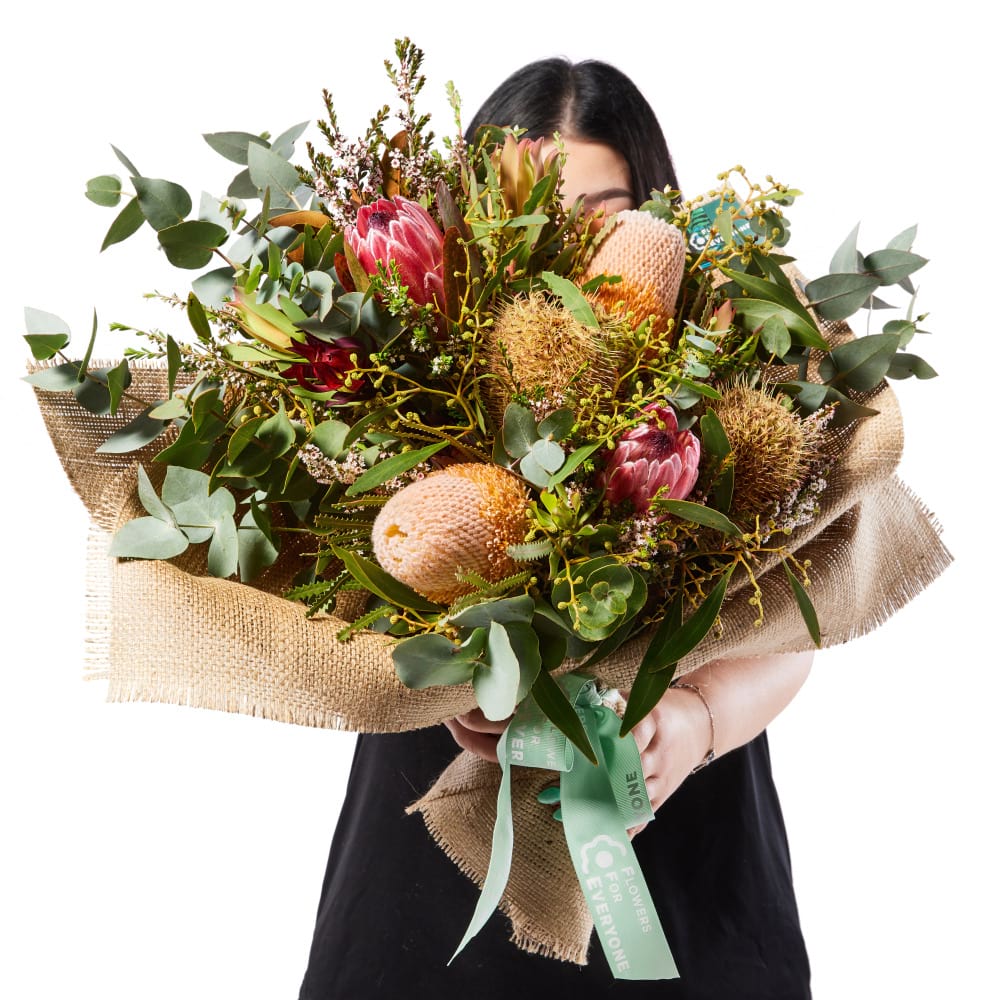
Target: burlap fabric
(165,632)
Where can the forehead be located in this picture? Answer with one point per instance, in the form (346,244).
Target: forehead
(592,168)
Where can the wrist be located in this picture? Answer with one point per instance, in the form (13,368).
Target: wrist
(698,726)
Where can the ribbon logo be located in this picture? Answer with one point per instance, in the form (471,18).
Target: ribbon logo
(599,847)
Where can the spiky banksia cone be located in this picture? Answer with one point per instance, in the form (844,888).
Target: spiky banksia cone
(773,449)
(536,346)
(649,254)
(462,517)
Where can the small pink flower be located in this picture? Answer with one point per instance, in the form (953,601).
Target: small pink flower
(652,457)
(397,230)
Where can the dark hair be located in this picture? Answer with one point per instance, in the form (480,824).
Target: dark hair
(591,101)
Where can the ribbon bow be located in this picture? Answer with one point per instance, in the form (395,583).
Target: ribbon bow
(599,805)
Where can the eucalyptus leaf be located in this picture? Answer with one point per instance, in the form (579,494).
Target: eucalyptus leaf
(191,244)
(892,266)
(548,455)
(756,312)
(496,680)
(535,473)
(329,436)
(105,190)
(128,221)
(809,397)
(907,365)
(519,430)
(46,345)
(214,288)
(509,609)
(557,424)
(224,550)
(125,162)
(845,260)
(119,379)
(905,329)
(860,364)
(257,551)
(903,240)
(137,433)
(284,144)
(233,145)
(775,337)
(429,660)
(837,296)
(527,652)
(170,409)
(148,538)
(163,203)
(150,501)
(268,170)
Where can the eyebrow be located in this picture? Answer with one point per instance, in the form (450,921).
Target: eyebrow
(608,194)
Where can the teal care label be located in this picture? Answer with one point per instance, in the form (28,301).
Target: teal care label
(703,219)
(599,804)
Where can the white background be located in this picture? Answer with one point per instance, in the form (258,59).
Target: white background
(158,852)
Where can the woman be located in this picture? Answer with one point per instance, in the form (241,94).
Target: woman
(393,906)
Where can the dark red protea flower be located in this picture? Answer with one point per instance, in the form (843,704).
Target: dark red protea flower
(651,457)
(397,230)
(327,366)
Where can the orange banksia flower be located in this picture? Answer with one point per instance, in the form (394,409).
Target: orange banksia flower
(461,518)
(649,254)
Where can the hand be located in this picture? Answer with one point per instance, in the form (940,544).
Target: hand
(474,732)
(672,740)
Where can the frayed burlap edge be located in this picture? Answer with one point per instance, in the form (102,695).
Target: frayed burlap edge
(170,634)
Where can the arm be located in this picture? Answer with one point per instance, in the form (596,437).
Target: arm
(745,696)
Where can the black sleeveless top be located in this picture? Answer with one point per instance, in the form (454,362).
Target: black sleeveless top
(394,907)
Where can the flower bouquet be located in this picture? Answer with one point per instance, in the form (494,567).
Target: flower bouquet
(437,440)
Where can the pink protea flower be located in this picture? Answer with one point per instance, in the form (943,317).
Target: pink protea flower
(651,457)
(397,230)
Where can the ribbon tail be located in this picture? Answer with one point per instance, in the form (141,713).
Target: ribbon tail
(501,856)
(613,885)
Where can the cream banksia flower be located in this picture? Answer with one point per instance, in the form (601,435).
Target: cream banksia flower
(462,517)
(649,254)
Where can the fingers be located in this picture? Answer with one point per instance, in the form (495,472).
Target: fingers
(482,744)
(476,721)
(644,731)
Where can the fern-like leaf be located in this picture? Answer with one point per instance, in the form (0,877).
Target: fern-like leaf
(529,551)
(364,621)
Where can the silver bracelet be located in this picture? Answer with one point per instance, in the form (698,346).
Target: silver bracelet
(710,756)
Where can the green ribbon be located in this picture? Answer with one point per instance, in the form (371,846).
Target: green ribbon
(599,805)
